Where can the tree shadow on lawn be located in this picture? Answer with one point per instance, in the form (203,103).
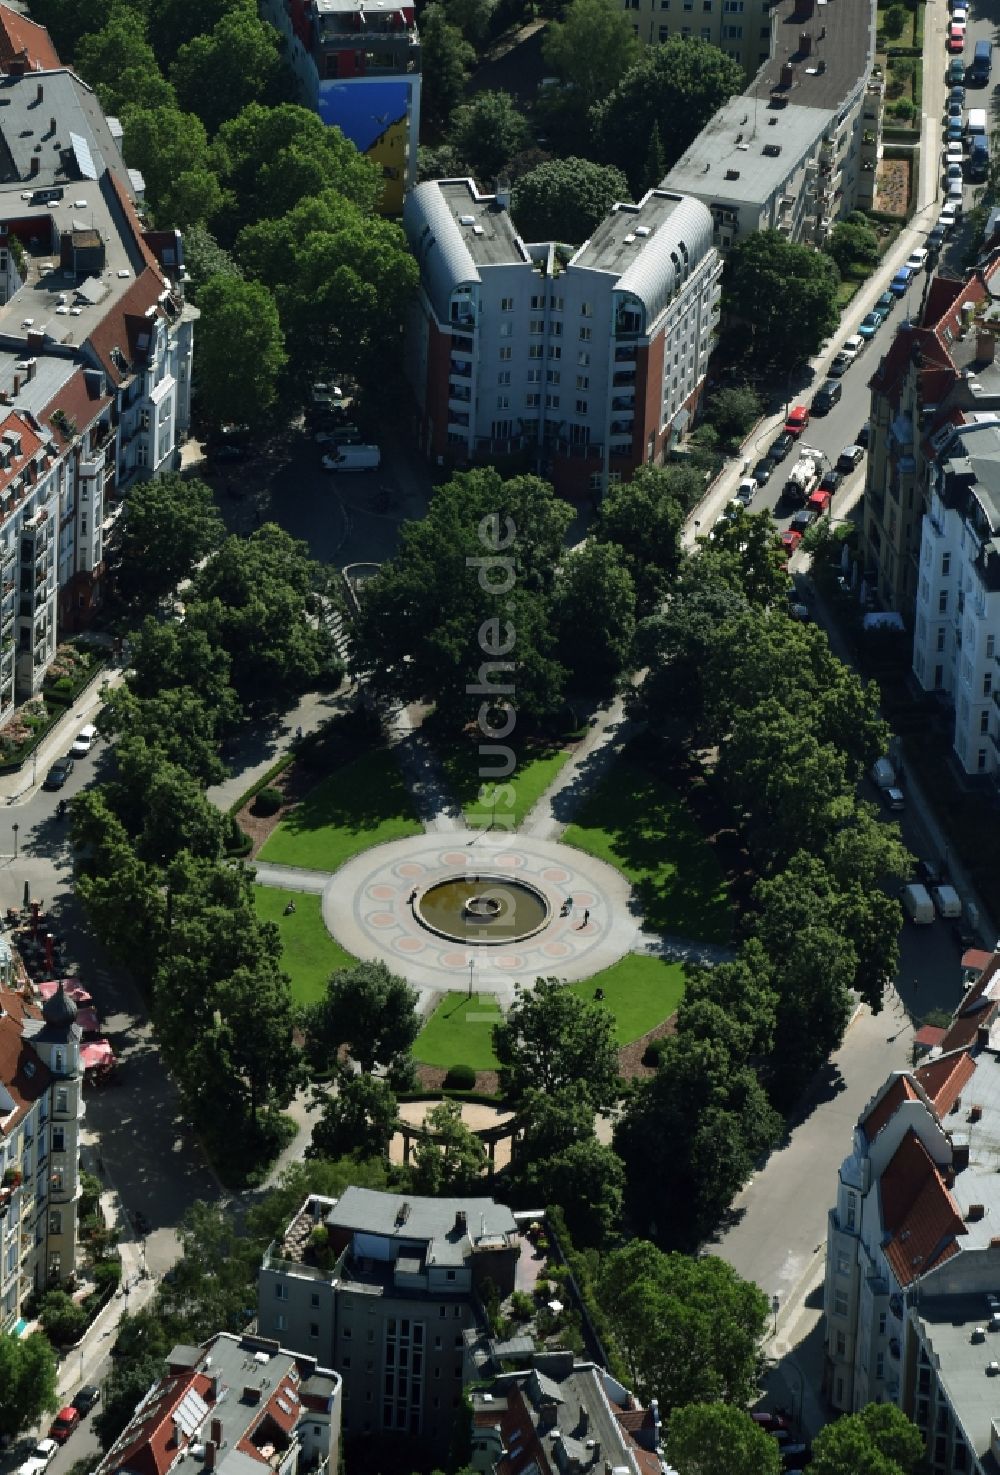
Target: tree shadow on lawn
(679,886)
(366,794)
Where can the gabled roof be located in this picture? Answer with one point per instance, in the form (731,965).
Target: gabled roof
(123,327)
(30,446)
(149,1444)
(929,1035)
(944,1078)
(80,403)
(976,1010)
(22,40)
(901,1090)
(23,1076)
(917,1211)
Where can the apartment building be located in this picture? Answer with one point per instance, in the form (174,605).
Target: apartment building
(800,147)
(96,346)
(912,1295)
(582,368)
(383,1287)
(41,1107)
(236,1406)
(740,28)
(357,63)
(559,1416)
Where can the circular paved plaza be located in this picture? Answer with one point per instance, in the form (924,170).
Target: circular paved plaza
(368,907)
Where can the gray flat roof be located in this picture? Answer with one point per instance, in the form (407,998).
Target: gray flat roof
(64,136)
(727,160)
(828,67)
(414,1220)
(486,227)
(948,1323)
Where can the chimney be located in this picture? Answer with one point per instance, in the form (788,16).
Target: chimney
(547,1415)
(787,75)
(210,1456)
(584,1423)
(33,166)
(215,1431)
(17,385)
(986,347)
(805,9)
(975,1112)
(461,1221)
(805,43)
(596,1457)
(974,1213)
(983,1037)
(52,126)
(40,93)
(502,194)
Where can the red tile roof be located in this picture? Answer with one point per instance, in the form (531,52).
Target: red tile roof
(901,1090)
(976,1011)
(149,1444)
(23,1074)
(30,447)
(976,958)
(123,326)
(944,1078)
(22,40)
(929,1035)
(515,1428)
(133,222)
(917,1211)
(79,401)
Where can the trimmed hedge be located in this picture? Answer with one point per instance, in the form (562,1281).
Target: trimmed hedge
(268,801)
(481,1098)
(460,1078)
(653,1051)
(285,761)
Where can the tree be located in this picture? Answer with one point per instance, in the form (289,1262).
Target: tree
(118,62)
(735,411)
(171,150)
(587,1181)
(358,1119)
(552,1038)
(268,605)
(452,1159)
(204,258)
(27,1382)
(461,614)
(270,158)
(594,612)
(690,1330)
(211,1285)
(853,242)
(219,72)
(162,807)
(675,88)
(446,61)
(179,657)
(644,517)
(592,49)
(880,1440)
(172,23)
(690,1137)
(253,1036)
(62,1319)
(177,725)
(241,351)
(171,523)
(366,1008)
(342,280)
(68,20)
(785,294)
(893,22)
(473,18)
(656,160)
(487,132)
(566,199)
(704,1438)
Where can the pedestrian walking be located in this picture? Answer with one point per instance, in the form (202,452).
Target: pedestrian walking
(586,917)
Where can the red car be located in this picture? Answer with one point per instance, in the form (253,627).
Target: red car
(790,540)
(770,1422)
(820,501)
(64,1423)
(956,38)
(798,419)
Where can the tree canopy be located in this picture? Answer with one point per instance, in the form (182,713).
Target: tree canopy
(27,1381)
(223,70)
(170,525)
(552,1039)
(704,1438)
(241,351)
(785,294)
(591,49)
(880,1440)
(366,1008)
(487,131)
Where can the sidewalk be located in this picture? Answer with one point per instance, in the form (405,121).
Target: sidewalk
(610,730)
(15,788)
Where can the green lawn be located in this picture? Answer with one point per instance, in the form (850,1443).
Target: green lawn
(536,769)
(309,953)
(641,993)
(642,826)
(460,1032)
(361,805)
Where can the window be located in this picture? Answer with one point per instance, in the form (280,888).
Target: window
(991,642)
(734,33)
(981,760)
(346,1333)
(538,304)
(314,1299)
(938,677)
(534,376)
(586,309)
(585,335)
(279,1323)
(504,376)
(852,1210)
(536,325)
(556,304)
(314,1329)
(555,352)
(843,1262)
(55,1221)
(987,683)
(840,1303)
(664,33)
(840,1342)
(280,1291)
(503,401)
(450,1275)
(880,1365)
(706,33)
(505,354)
(534,350)
(943,602)
(506,330)
(532,401)
(583,381)
(945,565)
(552,402)
(582,407)
(765,35)
(62,1101)
(506,304)
(345,1361)
(553,376)
(881,1323)
(940,637)
(984,724)
(583,359)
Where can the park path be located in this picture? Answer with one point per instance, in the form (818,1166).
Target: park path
(424,775)
(579,776)
(289,878)
(676,949)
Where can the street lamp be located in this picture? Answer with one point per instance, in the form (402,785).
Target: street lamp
(472,965)
(15,827)
(775,1308)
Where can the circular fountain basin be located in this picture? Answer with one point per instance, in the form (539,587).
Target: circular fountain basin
(482,909)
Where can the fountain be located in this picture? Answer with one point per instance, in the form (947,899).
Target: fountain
(482,909)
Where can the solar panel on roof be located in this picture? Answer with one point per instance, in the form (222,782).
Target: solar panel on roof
(190,1412)
(84,158)
(285,1408)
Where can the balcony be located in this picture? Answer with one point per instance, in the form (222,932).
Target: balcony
(894,1348)
(624,378)
(459,371)
(624,354)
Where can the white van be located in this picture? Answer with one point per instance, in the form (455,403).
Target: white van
(883,775)
(84,741)
(917,903)
(977,122)
(947,901)
(353,458)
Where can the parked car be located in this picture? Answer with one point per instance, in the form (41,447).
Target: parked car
(831,480)
(84,741)
(798,419)
(841,363)
(746,491)
(952,153)
(827,395)
(956,39)
(762,472)
(65,1421)
(950,212)
(917,258)
(954,170)
(849,457)
(936,238)
(770,1421)
(928,873)
(893,798)
(780,447)
(853,345)
(820,501)
(86,1399)
(900,284)
(957,95)
(870,324)
(885,304)
(956,71)
(954,132)
(803,520)
(800,613)
(40,1458)
(864,435)
(58,773)
(790,540)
